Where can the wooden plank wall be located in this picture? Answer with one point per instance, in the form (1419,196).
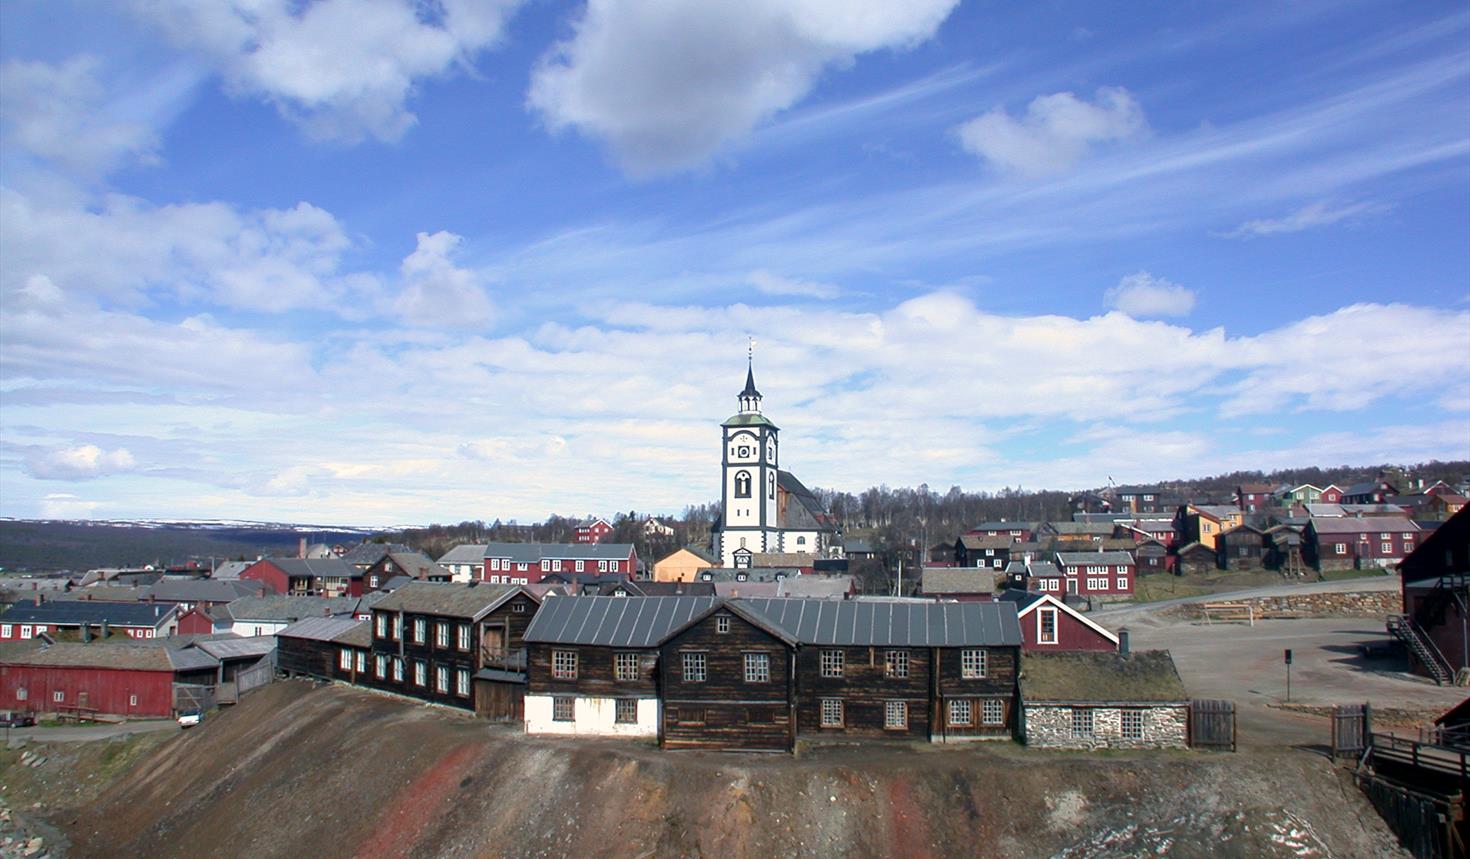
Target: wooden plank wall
(724,711)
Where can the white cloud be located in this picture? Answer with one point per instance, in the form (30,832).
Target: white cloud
(1319,214)
(60,113)
(1055,133)
(125,250)
(62,505)
(81,462)
(667,84)
(772,284)
(1143,295)
(437,293)
(343,69)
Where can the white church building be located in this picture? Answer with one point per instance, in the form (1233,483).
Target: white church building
(764,508)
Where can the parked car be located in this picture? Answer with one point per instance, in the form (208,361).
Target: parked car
(16,719)
(189,718)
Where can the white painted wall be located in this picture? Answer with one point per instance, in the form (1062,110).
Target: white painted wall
(592,717)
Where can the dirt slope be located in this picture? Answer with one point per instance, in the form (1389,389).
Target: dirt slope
(301,771)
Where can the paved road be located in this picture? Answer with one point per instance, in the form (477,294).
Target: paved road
(85,733)
(1116,614)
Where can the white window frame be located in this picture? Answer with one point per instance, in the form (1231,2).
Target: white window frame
(1131,723)
(420,630)
(579,566)
(25,630)
(380,625)
(832,713)
(6,630)
(560,701)
(1056,628)
(621,711)
(896,663)
(564,664)
(398,669)
(441,679)
(757,667)
(992,712)
(464,636)
(834,663)
(1339,548)
(58,696)
(895,715)
(1122,583)
(961,712)
(1083,724)
(344,659)
(722,624)
(462,682)
(694,666)
(625,666)
(974,664)
(441,634)
(380,666)
(361,658)
(421,673)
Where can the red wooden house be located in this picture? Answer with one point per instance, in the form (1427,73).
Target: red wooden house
(527,563)
(1050,625)
(1332,494)
(1436,593)
(116,679)
(1098,574)
(592,531)
(317,577)
(1369,541)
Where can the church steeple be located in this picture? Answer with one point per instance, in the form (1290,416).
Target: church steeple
(750,398)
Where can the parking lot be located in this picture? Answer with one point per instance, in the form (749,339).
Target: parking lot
(1245,663)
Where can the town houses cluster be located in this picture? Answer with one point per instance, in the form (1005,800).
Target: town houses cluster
(761,640)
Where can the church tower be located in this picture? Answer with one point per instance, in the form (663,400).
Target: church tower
(748,477)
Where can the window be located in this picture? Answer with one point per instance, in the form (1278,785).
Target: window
(562,709)
(1132,724)
(1046,626)
(993,711)
(545,566)
(1339,549)
(1097,584)
(896,715)
(21,694)
(420,630)
(420,672)
(602,566)
(132,700)
(398,669)
(961,712)
(6,630)
(380,666)
(625,666)
(722,624)
(564,664)
(973,664)
(579,566)
(742,484)
(25,631)
(58,696)
(441,634)
(1387,547)
(1096,568)
(362,662)
(518,608)
(896,663)
(625,711)
(1122,583)
(833,662)
(1081,722)
(464,636)
(694,667)
(831,712)
(344,659)
(1385,535)
(462,682)
(757,668)
(441,678)
(380,625)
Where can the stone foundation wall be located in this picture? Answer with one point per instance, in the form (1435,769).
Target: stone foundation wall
(1050,727)
(1340,604)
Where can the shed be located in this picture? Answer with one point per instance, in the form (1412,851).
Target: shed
(1103,701)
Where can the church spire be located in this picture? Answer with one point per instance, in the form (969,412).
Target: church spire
(750,398)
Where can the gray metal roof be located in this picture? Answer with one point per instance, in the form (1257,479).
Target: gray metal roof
(68,612)
(312,567)
(468,553)
(613,621)
(319,628)
(238,648)
(532,553)
(191,659)
(1084,558)
(834,622)
(472,600)
(280,607)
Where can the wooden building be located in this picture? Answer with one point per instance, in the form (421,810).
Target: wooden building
(992,553)
(313,647)
(1358,542)
(1049,625)
(592,663)
(443,642)
(1196,559)
(1243,547)
(1435,624)
(1152,557)
(27,619)
(102,678)
(318,577)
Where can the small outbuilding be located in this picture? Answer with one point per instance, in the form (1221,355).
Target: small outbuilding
(1103,701)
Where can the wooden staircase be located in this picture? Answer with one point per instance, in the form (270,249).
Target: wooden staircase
(1402,627)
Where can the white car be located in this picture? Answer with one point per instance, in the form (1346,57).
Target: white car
(189,718)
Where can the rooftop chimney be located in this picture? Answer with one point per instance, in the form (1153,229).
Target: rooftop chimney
(301,548)
(1123,642)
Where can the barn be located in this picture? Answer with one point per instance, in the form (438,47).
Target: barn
(1050,625)
(131,680)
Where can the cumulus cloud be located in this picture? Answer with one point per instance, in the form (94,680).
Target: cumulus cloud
(82,462)
(1143,295)
(667,84)
(58,112)
(1319,214)
(125,250)
(772,284)
(342,69)
(1055,132)
(438,293)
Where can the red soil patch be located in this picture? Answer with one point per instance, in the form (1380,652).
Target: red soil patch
(418,804)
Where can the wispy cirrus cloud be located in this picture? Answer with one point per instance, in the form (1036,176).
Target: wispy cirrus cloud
(1319,214)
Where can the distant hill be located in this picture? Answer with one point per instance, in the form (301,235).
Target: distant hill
(49,545)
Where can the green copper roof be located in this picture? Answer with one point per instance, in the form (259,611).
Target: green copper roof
(751,420)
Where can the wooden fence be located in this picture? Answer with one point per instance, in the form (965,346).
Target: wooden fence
(1429,827)
(189,696)
(1212,724)
(1351,729)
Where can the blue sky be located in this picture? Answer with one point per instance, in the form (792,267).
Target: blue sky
(391,263)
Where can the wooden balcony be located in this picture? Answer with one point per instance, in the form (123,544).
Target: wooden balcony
(508,660)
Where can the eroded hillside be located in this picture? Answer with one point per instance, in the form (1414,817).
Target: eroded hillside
(298,770)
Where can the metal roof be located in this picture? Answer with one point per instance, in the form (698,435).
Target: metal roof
(833,622)
(238,648)
(1365,525)
(467,553)
(67,612)
(319,628)
(468,600)
(1083,558)
(613,621)
(533,553)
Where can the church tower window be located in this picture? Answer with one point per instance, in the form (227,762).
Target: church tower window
(742,484)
